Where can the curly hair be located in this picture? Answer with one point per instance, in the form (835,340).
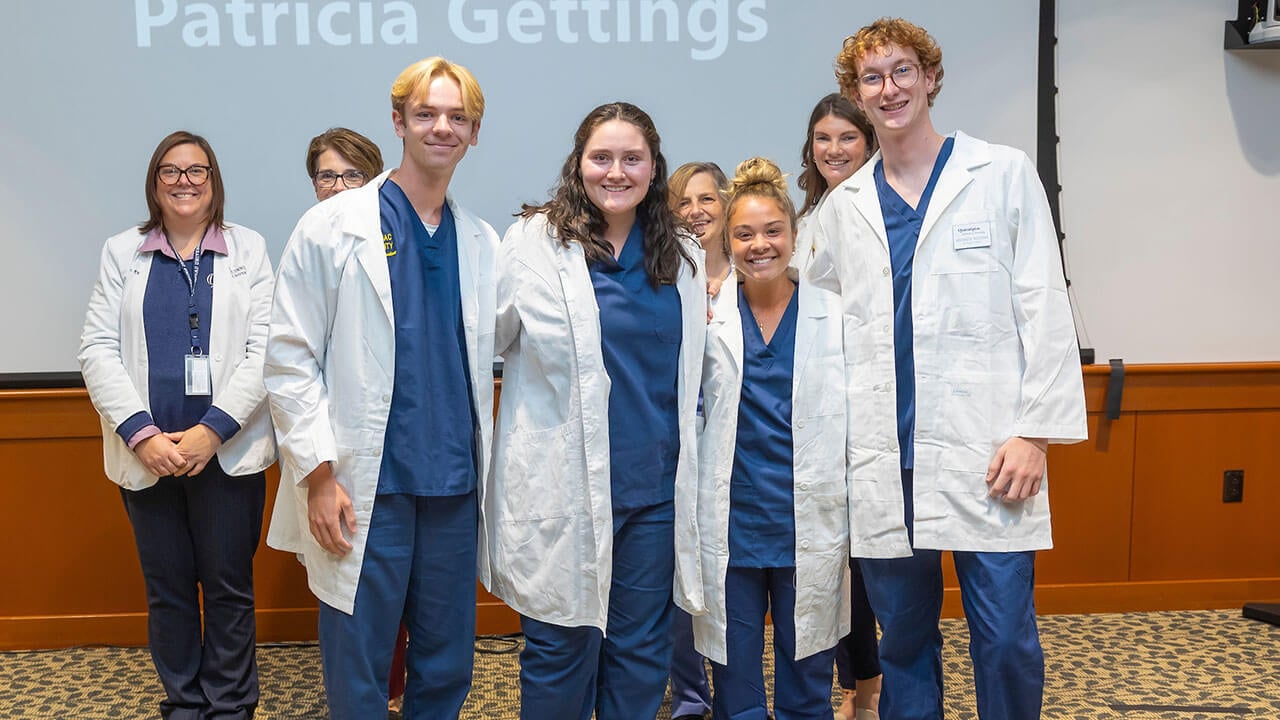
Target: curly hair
(811,180)
(880,34)
(574,218)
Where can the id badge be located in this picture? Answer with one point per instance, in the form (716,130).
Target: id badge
(198,382)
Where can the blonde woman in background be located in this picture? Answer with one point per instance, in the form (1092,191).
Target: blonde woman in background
(696,192)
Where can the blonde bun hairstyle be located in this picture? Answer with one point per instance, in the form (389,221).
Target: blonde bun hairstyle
(759,177)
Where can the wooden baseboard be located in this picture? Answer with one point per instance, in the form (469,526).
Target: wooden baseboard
(130,629)
(495,618)
(1120,597)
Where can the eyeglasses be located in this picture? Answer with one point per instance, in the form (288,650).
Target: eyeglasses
(903,76)
(171,174)
(350,179)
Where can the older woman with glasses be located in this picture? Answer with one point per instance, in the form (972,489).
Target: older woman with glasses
(340,159)
(172,356)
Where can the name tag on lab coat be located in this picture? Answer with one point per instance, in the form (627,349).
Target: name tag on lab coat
(971,235)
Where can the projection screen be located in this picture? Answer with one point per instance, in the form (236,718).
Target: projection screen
(89,88)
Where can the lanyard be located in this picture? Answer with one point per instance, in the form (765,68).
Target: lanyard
(193,316)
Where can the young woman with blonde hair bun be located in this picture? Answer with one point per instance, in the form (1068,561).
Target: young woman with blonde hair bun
(773,518)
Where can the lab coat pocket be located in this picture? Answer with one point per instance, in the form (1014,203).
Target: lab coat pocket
(531,466)
(966,430)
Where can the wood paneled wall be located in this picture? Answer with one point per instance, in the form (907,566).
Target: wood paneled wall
(1139,522)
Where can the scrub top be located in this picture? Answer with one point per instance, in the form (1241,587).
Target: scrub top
(640,334)
(430,444)
(902,223)
(762,528)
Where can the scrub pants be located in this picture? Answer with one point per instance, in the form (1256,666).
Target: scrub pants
(198,535)
(858,653)
(690,692)
(420,566)
(996,590)
(801,688)
(569,672)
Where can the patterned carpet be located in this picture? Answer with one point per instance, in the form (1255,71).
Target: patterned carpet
(1176,665)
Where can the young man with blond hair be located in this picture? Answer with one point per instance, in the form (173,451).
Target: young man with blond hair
(378,371)
(962,366)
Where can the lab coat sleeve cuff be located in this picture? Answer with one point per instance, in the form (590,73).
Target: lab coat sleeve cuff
(1056,434)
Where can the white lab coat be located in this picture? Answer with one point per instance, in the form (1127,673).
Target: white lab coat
(330,367)
(820,490)
(113,350)
(995,351)
(548,494)
(805,248)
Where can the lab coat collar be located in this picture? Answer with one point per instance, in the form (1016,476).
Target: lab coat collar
(213,240)
(363,204)
(968,154)
(362,218)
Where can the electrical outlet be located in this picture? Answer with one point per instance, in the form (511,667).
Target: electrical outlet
(1232,486)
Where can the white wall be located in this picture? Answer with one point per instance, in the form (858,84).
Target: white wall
(1170,164)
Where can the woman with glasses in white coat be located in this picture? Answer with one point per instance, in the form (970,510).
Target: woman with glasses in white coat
(772,508)
(600,321)
(172,355)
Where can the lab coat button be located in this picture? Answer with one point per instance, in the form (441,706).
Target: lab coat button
(885,271)
(800,424)
(386,398)
(804,486)
(888,328)
(217,357)
(804,544)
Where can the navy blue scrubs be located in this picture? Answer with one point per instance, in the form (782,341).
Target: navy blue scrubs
(906,593)
(762,539)
(570,672)
(420,556)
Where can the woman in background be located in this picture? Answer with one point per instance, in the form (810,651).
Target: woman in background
(172,358)
(839,141)
(696,198)
(340,159)
(601,314)
(773,508)
(696,190)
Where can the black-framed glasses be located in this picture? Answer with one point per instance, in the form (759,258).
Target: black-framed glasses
(171,174)
(350,179)
(903,76)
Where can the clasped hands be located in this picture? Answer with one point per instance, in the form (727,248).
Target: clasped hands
(185,452)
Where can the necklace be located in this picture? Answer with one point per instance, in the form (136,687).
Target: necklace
(771,315)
